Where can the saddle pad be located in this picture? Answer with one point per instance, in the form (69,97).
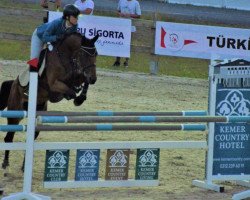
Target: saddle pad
(25,75)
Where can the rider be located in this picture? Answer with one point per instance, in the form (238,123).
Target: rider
(54,30)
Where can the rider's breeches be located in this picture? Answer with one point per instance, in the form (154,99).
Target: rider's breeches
(36,46)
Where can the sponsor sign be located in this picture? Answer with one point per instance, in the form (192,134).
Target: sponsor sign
(87,165)
(117,164)
(56,165)
(232,140)
(115,33)
(198,41)
(147,164)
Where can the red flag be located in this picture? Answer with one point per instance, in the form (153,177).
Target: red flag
(163,33)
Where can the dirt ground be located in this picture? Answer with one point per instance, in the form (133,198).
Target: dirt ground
(124,91)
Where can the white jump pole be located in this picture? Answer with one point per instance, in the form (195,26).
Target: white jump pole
(241,195)
(30,134)
(208,182)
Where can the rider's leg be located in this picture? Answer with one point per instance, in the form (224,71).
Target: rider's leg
(36,46)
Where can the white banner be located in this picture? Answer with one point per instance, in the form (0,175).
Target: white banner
(115,33)
(196,41)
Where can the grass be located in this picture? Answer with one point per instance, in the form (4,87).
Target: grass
(19,4)
(139,62)
(19,24)
(118,93)
(13,50)
(178,167)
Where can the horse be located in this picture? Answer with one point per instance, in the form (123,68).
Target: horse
(69,68)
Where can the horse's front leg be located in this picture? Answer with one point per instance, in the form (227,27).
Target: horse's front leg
(60,87)
(83,96)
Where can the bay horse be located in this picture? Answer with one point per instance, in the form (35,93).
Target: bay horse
(69,68)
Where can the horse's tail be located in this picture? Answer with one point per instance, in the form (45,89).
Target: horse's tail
(5,93)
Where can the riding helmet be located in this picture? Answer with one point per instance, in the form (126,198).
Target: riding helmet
(70,10)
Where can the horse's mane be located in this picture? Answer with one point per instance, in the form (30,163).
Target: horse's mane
(87,45)
(84,40)
(74,33)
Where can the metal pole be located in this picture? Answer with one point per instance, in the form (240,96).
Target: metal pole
(106,113)
(140,119)
(111,127)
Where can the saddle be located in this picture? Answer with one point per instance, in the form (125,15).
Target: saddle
(23,78)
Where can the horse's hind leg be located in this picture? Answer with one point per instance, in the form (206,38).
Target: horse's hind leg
(8,139)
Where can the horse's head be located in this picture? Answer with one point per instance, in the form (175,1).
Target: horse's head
(87,58)
(83,55)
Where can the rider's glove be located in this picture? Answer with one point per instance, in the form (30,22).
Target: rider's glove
(50,46)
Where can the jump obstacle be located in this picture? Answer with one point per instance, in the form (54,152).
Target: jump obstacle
(103,113)
(139,117)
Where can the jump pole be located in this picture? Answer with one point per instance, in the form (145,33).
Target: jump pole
(105,113)
(29,153)
(136,119)
(111,127)
(241,195)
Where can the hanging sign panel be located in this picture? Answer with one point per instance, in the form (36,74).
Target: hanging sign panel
(115,33)
(232,140)
(87,165)
(56,165)
(198,41)
(147,164)
(117,164)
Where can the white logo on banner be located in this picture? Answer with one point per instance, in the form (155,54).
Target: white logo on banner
(118,159)
(148,159)
(57,160)
(88,158)
(234,104)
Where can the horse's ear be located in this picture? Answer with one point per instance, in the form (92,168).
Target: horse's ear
(84,39)
(95,39)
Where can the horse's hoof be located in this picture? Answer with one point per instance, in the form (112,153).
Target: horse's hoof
(79,101)
(67,97)
(5,165)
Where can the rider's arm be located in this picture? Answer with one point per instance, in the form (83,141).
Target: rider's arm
(49,34)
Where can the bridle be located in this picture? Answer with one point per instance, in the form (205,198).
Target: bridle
(86,50)
(73,60)
(77,68)
(84,88)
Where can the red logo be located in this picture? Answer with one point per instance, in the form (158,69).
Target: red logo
(173,41)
